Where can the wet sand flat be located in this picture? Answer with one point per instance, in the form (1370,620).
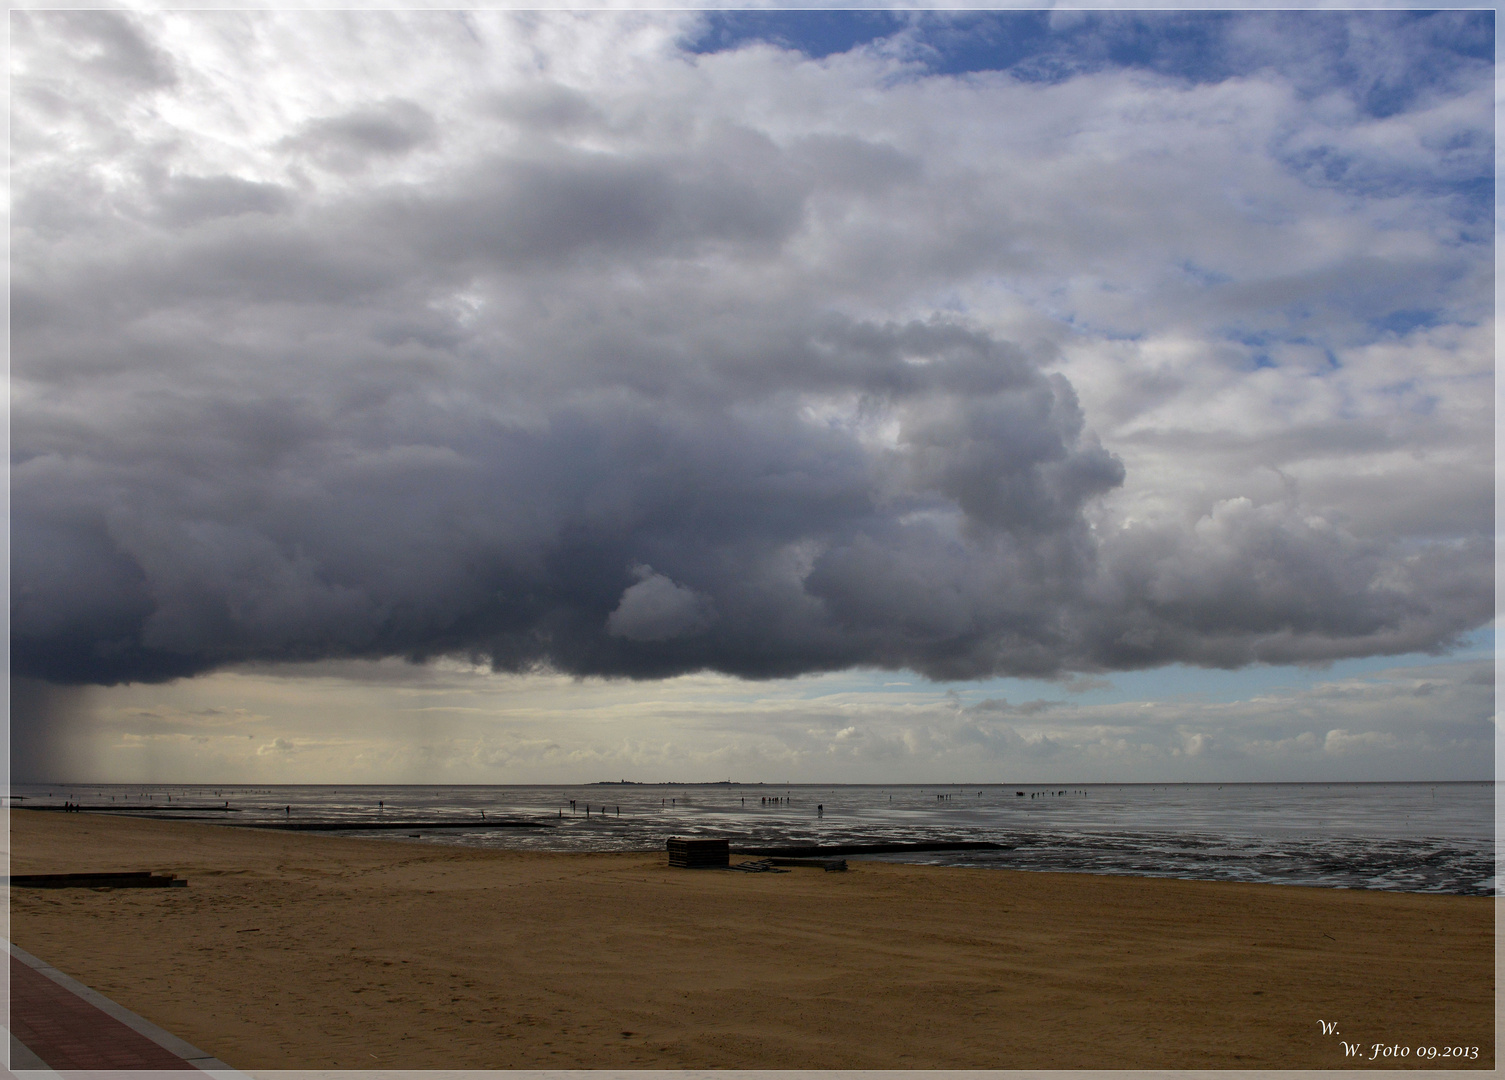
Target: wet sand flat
(310,951)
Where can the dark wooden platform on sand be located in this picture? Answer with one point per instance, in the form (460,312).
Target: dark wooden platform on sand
(818,851)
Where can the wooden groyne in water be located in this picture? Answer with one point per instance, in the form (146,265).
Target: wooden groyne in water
(366,826)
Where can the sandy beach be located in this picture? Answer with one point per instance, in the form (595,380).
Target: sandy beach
(305,951)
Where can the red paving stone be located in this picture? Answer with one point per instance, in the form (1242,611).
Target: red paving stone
(67,1032)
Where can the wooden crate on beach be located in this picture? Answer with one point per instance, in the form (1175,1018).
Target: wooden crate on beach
(699,854)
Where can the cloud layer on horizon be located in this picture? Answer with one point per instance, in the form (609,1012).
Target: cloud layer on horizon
(385,722)
(540,340)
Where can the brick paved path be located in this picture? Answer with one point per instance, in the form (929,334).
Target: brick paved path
(58,1023)
(67,1032)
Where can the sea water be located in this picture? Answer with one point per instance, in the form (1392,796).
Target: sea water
(1411,837)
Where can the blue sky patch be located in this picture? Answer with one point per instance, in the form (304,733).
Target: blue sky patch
(1386,59)
(1401,323)
(817,34)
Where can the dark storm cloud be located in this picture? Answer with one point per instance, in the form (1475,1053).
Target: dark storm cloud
(257,535)
(593,406)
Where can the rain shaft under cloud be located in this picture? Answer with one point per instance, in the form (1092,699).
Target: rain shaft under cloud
(557,346)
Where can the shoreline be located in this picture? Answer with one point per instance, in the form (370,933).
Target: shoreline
(1414,837)
(856,847)
(291,950)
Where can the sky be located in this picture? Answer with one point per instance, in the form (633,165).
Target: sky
(522,397)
